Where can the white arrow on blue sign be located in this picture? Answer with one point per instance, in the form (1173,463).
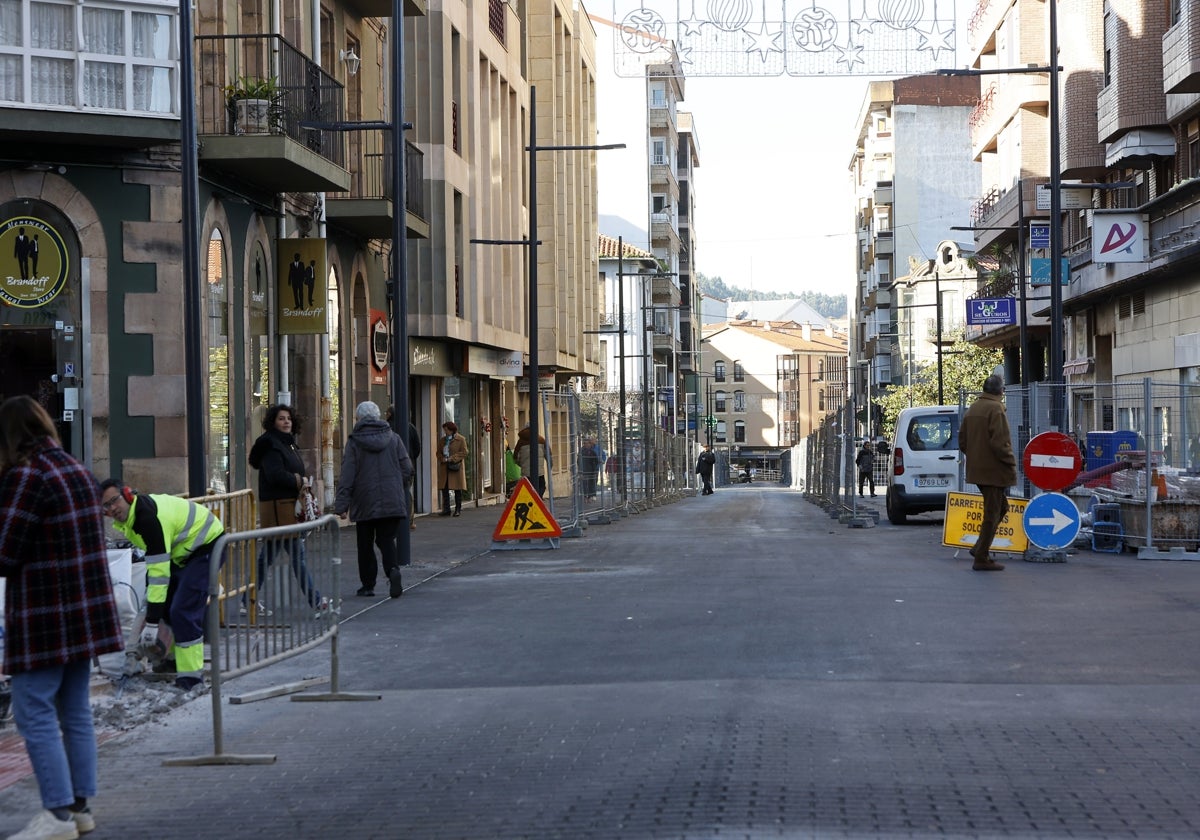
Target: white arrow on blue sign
(1051,521)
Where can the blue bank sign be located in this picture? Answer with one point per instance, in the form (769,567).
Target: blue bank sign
(986,312)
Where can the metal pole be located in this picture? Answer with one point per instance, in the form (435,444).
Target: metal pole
(1056,302)
(193,305)
(536,456)
(1021,248)
(937,292)
(399,259)
(621,451)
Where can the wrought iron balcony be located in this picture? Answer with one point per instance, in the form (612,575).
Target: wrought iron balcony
(366,208)
(258,99)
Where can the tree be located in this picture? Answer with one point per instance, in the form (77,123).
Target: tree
(964,365)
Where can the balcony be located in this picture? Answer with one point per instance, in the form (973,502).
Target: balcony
(884,193)
(662,175)
(664,291)
(1181,52)
(276,152)
(665,342)
(663,233)
(366,208)
(120,93)
(884,243)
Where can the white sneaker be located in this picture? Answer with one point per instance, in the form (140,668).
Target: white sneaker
(84,821)
(262,609)
(46,826)
(321,610)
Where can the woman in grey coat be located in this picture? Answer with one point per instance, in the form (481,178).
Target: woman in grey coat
(375,470)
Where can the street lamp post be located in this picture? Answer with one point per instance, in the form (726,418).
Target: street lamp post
(534,394)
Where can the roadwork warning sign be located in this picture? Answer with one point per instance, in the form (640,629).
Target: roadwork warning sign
(964,514)
(526,516)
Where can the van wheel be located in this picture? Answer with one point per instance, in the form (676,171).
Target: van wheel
(895,513)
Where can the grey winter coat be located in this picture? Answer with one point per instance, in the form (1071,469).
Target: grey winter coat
(375,468)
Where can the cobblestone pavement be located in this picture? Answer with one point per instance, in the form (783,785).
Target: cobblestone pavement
(731,666)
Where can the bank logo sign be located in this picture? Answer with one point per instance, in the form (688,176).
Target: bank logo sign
(33,262)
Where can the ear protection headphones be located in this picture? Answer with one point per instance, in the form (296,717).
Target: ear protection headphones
(127,495)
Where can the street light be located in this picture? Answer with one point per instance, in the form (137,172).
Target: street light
(533,148)
(1056,302)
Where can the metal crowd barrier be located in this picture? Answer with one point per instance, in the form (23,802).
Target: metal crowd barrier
(274,593)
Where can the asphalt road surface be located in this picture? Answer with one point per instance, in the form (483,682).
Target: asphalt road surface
(737,665)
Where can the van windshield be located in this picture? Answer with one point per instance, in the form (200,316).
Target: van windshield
(933,431)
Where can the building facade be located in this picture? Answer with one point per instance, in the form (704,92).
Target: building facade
(913,178)
(296,210)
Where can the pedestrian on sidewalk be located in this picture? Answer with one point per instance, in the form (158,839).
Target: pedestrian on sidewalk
(177,536)
(985,440)
(589,467)
(452,475)
(525,452)
(866,467)
(59,611)
(414,452)
(281,479)
(375,468)
(704,469)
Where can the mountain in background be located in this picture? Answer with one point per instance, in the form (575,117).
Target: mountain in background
(829,306)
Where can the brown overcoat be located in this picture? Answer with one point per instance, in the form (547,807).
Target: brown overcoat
(985,439)
(450,479)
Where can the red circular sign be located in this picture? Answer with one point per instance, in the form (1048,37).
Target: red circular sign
(1051,461)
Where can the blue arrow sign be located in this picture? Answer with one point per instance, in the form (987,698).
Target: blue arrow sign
(982,312)
(1051,521)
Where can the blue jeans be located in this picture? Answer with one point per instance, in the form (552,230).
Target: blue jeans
(54,716)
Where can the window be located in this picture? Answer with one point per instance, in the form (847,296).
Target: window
(1176,11)
(821,399)
(1130,305)
(113,59)
(719,371)
(739,431)
(497,18)
(739,402)
(658,97)
(739,372)
(720,397)
(721,434)
(658,152)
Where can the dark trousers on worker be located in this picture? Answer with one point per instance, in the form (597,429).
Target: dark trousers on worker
(371,533)
(995,508)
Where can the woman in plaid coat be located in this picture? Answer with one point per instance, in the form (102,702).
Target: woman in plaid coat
(59,611)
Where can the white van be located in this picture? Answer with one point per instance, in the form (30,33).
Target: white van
(924,461)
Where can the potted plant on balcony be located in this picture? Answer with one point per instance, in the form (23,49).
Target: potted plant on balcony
(252,102)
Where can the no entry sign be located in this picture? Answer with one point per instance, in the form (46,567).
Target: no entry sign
(1051,461)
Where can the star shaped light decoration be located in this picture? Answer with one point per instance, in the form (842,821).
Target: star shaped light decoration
(935,39)
(850,54)
(692,25)
(685,56)
(764,40)
(864,26)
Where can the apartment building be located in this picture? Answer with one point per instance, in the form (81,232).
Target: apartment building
(673,156)
(769,384)
(913,179)
(293,103)
(626,273)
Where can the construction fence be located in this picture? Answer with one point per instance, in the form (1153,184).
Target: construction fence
(1139,443)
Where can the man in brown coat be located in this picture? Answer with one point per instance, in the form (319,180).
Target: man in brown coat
(991,465)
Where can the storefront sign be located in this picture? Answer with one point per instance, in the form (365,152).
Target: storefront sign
(428,358)
(381,347)
(34,262)
(301,286)
(487,361)
(1119,237)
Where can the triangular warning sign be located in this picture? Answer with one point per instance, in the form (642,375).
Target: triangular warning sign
(526,516)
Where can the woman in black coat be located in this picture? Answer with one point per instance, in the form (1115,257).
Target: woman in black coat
(280,481)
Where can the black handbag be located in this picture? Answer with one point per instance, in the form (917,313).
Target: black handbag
(453,466)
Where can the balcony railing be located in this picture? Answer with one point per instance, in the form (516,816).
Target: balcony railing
(371,174)
(300,91)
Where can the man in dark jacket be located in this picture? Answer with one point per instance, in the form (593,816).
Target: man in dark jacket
(375,468)
(414,452)
(866,467)
(704,469)
(985,439)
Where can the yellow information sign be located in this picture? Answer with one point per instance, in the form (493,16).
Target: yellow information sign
(964,513)
(526,516)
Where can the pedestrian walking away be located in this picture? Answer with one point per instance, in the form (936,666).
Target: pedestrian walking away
(704,469)
(177,536)
(866,467)
(451,470)
(985,440)
(58,609)
(281,479)
(375,469)
(590,461)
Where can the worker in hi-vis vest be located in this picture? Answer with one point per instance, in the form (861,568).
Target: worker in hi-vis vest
(177,536)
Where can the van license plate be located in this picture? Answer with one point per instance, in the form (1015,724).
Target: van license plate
(935,481)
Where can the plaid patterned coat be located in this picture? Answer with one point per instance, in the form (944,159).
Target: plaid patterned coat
(58,604)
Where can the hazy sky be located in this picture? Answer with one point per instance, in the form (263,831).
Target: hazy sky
(774,207)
